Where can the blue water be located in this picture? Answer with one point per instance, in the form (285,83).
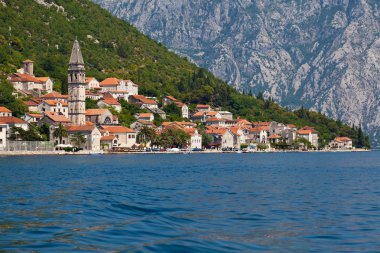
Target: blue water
(309,202)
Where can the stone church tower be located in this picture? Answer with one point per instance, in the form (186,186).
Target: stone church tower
(76,82)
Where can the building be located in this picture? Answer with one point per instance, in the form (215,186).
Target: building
(99,116)
(5,112)
(341,143)
(184,109)
(11,121)
(309,134)
(223,138)
(126,137)
(195,138)
(109,101)
(25,80)
(258,135)
(54,119)
(3,136)
(139,124)
(143,102)
(33,104)
(32,117)
(203,108)
(91,134)
(55,106)
(132,88)
(226,115)
(77,87)
(92,83)
(145,116)
(112,84)
(54,96)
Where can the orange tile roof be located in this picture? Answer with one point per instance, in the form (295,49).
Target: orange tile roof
(274,136)
(190,131)
(235,130)
(291,126)
(17,77)
(117,129)
(31,103)
(216,130)
(77,128)
(55,102)
(304,132)
(43,79)
(27,60)
(95,112)
(12,120)
(171,98)
(212,113)
(89,79)
(108,138)
(198,114)
(111,81)
(144,100)
(342,139)
(54,95)
(203,106)
(214,119)
(145,115)
(57,117)
(258,129)
(145,122)
(35,115)
(4,109)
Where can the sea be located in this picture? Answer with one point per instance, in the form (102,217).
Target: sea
(258,202)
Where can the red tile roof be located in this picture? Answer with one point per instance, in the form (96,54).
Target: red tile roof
(95,112)
(112,81)
(12,120)
(43,79)
(4,109)
(144,100)
(108,138)
(54,95)
(342,139)
(55,102)
(77,128)
(57,117)
(117,129)
(17,77)
(274,136)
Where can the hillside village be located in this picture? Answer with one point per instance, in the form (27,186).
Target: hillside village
(69,125)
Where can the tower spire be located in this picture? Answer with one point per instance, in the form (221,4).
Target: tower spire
(76,57)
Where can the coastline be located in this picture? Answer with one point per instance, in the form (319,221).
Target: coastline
(56,153)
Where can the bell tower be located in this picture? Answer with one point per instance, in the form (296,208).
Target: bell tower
(76,83)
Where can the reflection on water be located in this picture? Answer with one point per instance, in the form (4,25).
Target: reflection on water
(191,203)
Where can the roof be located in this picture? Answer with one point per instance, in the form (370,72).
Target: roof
(95,112)
(198,114)
(35,115)
(31,103)
(144,100)
(107,138)
(12,120)
(43,79)
(216,130)
(76,54)
(145,122)
(190,130)
(212,113)
(145,115)
(55,102)
(77,128)
(274,136)
(118,129)
(342,139)
(304,132)
(235,130)
(27,60)
(18,77)
(291,126)
(89,79)
(258,129)
(4,109)
(171,98)
(54,95)
(111,101)
(261,123)
(111,81)
(57,117)
(214,119)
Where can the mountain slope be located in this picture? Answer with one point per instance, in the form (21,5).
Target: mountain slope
(324,55)
(44,31)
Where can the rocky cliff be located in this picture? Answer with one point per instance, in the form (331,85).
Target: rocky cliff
(321,54)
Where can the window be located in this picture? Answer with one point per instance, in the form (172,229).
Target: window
(1,141)
(1,130)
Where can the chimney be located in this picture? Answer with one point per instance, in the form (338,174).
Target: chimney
(28,67)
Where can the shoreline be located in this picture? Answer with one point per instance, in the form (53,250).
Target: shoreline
(62,153)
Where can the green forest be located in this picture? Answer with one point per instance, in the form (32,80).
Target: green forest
(111,47)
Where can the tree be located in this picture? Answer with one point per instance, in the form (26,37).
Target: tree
(19,134)
(145,135)
(78,139)
(60,132)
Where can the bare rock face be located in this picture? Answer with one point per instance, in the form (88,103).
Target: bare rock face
(321,54)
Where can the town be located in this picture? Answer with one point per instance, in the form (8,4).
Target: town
(70,126)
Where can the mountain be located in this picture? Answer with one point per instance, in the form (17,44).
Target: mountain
(44,30)
(324,55)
